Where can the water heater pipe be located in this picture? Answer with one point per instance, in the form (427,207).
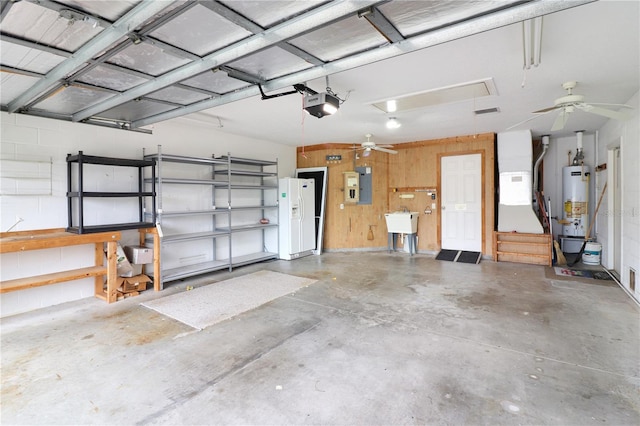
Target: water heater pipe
(545,147)
(578,160)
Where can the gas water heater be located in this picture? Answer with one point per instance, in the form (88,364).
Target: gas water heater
(575,194)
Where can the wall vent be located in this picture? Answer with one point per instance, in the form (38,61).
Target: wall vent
(632,279)
(486,111)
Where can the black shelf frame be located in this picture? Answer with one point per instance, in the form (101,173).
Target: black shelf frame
(81,160)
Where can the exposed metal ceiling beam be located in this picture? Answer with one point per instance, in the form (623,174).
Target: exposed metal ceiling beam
(242,21)
(383,25)
(137,16)
(470,27)
(33,45)
(59,7)
(5,5)
(13,70)
(241,75)
(300,24)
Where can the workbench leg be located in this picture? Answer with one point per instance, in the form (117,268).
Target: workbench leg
(99,261)
(112,271)
(157,283)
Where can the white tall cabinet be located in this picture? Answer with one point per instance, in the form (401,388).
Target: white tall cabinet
(214,213)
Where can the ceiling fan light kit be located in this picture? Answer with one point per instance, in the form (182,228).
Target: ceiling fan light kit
(393,123)
(370,145)
(569,103)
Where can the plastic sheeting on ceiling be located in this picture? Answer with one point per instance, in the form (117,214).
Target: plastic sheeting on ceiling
(130,63)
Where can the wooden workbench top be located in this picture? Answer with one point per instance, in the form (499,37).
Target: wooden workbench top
(50,238)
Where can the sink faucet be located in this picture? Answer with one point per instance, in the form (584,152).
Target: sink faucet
(404,209)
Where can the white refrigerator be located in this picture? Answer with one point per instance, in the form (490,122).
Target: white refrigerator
(296,217)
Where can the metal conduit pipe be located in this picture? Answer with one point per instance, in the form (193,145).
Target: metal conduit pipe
(545,147)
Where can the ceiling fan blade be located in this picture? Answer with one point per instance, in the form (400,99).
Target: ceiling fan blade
(527,120)
(611,105)
(385,146)
(561,120)
(545,109)
(388,151)
(616,115)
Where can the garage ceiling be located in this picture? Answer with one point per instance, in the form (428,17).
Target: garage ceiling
(131,64)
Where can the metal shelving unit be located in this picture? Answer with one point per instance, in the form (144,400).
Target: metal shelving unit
(77,193)
(201,226)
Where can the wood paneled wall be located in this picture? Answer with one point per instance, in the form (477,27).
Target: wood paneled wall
(414,170)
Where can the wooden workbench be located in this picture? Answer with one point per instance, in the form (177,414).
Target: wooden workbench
(40,239)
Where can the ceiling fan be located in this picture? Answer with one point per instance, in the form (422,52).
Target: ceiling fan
(570,102)
(368,145)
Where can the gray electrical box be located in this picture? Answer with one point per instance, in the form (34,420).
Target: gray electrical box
(366,184)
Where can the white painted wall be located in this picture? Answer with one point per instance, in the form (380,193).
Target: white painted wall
(28,137)
(627,133)
(596,146)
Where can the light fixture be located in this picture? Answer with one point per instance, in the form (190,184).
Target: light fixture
(532,41)
(393,123)
(392,105)
(321,104)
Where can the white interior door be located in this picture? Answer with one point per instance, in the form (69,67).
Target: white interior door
(461,202)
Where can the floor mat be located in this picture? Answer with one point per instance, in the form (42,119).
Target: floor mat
(213,303)
(469,257)
(449,255)
(583,273)
(460,256)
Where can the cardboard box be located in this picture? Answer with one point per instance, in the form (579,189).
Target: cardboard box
(139,255)
(123,266)
(131,284)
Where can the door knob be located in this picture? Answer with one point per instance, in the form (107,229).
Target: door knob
(443,207)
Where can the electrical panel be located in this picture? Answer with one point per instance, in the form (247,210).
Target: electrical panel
(351,187)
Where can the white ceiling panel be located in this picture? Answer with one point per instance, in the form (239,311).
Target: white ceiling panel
(178,95)
(111,79)
(413,17)
(270,63)
(269,13)
(13,85)
(29,21)
(215,81)
(134,110)
(147,58)
(71,99)
(108,9)
(200,31)
(340,39)
(22,57)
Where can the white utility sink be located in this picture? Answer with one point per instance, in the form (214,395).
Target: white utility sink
(402,222)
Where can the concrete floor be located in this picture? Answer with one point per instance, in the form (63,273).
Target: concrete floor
(379,339)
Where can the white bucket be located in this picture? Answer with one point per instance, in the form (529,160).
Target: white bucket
(591,255)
